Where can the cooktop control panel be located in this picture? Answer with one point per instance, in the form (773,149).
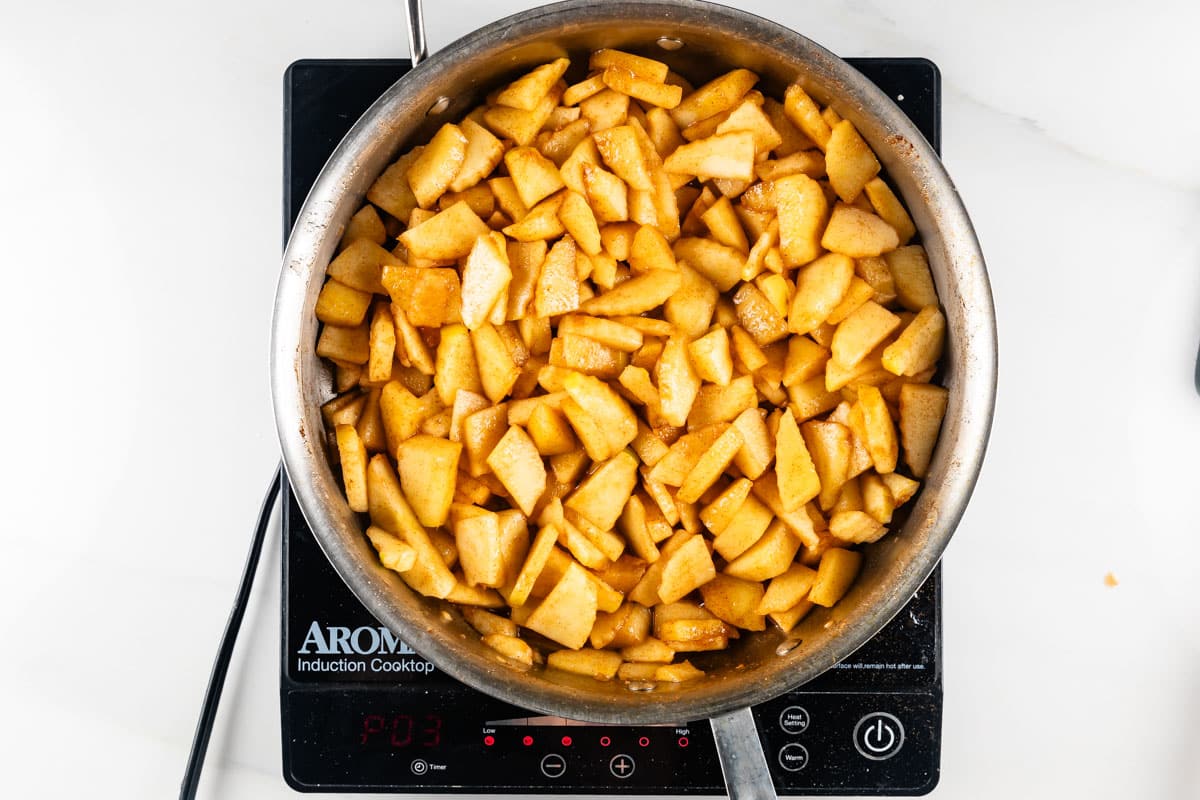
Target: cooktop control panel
(346,739)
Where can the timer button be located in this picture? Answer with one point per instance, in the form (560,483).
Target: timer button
(554,766)
(793,757)
(419,767)
(622,766)
(878,736)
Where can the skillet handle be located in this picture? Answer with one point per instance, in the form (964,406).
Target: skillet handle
(742,760)
(416,31)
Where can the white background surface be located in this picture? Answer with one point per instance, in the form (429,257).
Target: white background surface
(140,199)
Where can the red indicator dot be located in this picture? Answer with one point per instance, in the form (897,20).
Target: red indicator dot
(489,740)
(605,741)
(683,741)
(566,740)
(644,741)
(527,741)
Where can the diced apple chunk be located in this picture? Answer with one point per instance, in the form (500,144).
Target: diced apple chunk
(603,495)
(922,407)
(568,612)
(518,464)
(428,467)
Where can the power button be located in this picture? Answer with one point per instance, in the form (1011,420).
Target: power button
(878,736)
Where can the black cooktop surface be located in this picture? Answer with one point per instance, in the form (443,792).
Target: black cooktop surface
(362,713)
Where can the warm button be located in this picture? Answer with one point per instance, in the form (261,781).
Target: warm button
(793,757)
(878,736)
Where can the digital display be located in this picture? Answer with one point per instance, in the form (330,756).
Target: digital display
(399,731)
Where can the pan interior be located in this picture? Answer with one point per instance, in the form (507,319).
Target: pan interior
(715,39)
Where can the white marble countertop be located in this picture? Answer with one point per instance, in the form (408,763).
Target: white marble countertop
(140,190)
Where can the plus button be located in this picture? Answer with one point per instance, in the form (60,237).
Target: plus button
(622,766)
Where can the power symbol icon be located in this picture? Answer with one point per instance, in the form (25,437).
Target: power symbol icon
(878,736)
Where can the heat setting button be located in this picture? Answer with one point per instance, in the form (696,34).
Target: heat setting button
(794,720)
(554,765)
(878,736)
(793,757)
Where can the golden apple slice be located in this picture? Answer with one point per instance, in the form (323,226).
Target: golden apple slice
(771,555)
(605,109)
(518,464)
(353,458)
(795,473)
(728,155)
(850,162)
(429,296)
(786,590)
(447,236)
(528,91)
(723,403)
(434,170)
(338,304)
(919,345)
(758,316)
(510,647)
(856,527)
(914,282)
(880,432)
(485,278)
(710,356)
(677,381)
(393,552)
(602,665)
(829,445)
(857,233)
(862,331)
(483,152)
(535,176)
(710,466)
(606,193)
(605,407)
(557,286)
(568,613)
(635,296)
(689,567)
(802,209)
(805,115)
(603,495)
(718,95)
(651,92)
(428,468)
(690,308)
(819,289)
(890,209)
(835,574)
(922,407)
(735,601)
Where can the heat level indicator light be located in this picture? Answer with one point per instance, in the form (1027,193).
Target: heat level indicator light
(683,741)
(527,741)
(489,740)
(644,741)
(605,741)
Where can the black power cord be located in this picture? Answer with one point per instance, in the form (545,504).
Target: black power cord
(216,679)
